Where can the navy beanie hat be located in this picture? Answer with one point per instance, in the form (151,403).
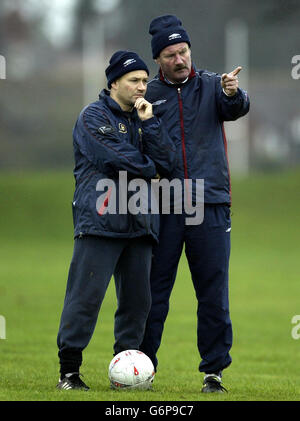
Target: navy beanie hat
(166,30)
(123,62)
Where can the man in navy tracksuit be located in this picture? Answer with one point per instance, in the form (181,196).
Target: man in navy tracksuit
(116,135)
(194,104)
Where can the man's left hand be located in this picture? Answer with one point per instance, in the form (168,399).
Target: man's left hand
(229,81)
(144,109)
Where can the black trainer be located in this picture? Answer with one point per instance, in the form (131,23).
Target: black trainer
(72,381)
(212,383)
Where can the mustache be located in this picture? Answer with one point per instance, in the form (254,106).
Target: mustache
(180,67)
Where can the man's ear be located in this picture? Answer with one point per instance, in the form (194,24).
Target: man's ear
(114,84)
(157,61)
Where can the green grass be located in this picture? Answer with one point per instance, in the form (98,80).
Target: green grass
(36,248)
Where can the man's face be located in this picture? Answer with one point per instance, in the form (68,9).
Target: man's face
(128,88)
(175,62)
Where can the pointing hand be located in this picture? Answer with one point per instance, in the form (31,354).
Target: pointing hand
(229,81)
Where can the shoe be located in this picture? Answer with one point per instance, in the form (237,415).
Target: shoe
(212,384)
(72,381)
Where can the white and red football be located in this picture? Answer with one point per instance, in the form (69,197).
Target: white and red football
(131,369)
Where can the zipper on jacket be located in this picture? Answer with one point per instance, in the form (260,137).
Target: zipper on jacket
(131,131)
(141,139)
(132,139)
(183,145)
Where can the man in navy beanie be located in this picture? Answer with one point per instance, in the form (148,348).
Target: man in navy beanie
(115,138)
(193,104)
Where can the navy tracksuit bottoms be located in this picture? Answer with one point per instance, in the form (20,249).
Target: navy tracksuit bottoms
(207,248)
(95,260)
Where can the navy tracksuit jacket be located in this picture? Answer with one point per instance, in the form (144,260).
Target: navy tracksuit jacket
(108,141)
(194,113)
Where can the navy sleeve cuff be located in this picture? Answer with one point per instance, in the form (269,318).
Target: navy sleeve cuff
(150,121)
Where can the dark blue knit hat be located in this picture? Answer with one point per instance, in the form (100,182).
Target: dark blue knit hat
(166,30)
(123,62)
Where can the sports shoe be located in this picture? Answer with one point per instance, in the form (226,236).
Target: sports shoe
(72,381)
(212,383)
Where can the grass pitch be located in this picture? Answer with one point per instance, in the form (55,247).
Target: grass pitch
(36,248)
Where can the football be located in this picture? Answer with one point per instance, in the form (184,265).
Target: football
(131,369)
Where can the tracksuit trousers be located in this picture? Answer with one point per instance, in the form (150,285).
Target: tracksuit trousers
(207,248)
(95,260)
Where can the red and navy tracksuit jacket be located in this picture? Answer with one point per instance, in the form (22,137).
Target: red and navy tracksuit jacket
(194,113)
